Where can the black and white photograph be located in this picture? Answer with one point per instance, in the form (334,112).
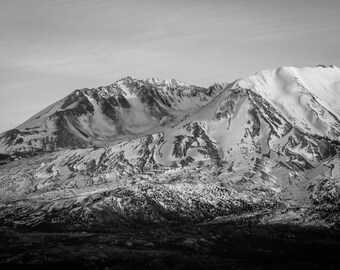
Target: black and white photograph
(170,134)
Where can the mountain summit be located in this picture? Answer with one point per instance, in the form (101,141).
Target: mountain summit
(162,151)
(92,117)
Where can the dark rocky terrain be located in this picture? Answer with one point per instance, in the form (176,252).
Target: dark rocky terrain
(202,246)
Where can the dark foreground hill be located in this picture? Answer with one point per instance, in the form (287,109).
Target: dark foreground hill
(204,246)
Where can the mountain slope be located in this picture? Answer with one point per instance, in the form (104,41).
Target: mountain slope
(93,117)
(265,145)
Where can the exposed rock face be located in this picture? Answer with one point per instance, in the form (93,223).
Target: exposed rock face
(95,117)
(167,152)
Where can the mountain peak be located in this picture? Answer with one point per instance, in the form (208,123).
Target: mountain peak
(126,79)
(97,116)
(167,82)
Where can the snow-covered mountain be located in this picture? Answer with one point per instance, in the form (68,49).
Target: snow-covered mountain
(164,151)
(93,117)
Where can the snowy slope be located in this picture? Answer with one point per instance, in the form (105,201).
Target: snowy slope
(307,97)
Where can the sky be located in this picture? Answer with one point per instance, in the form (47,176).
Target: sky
(48,48)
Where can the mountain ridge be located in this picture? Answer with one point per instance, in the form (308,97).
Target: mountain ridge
(108,104)
(268,143)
